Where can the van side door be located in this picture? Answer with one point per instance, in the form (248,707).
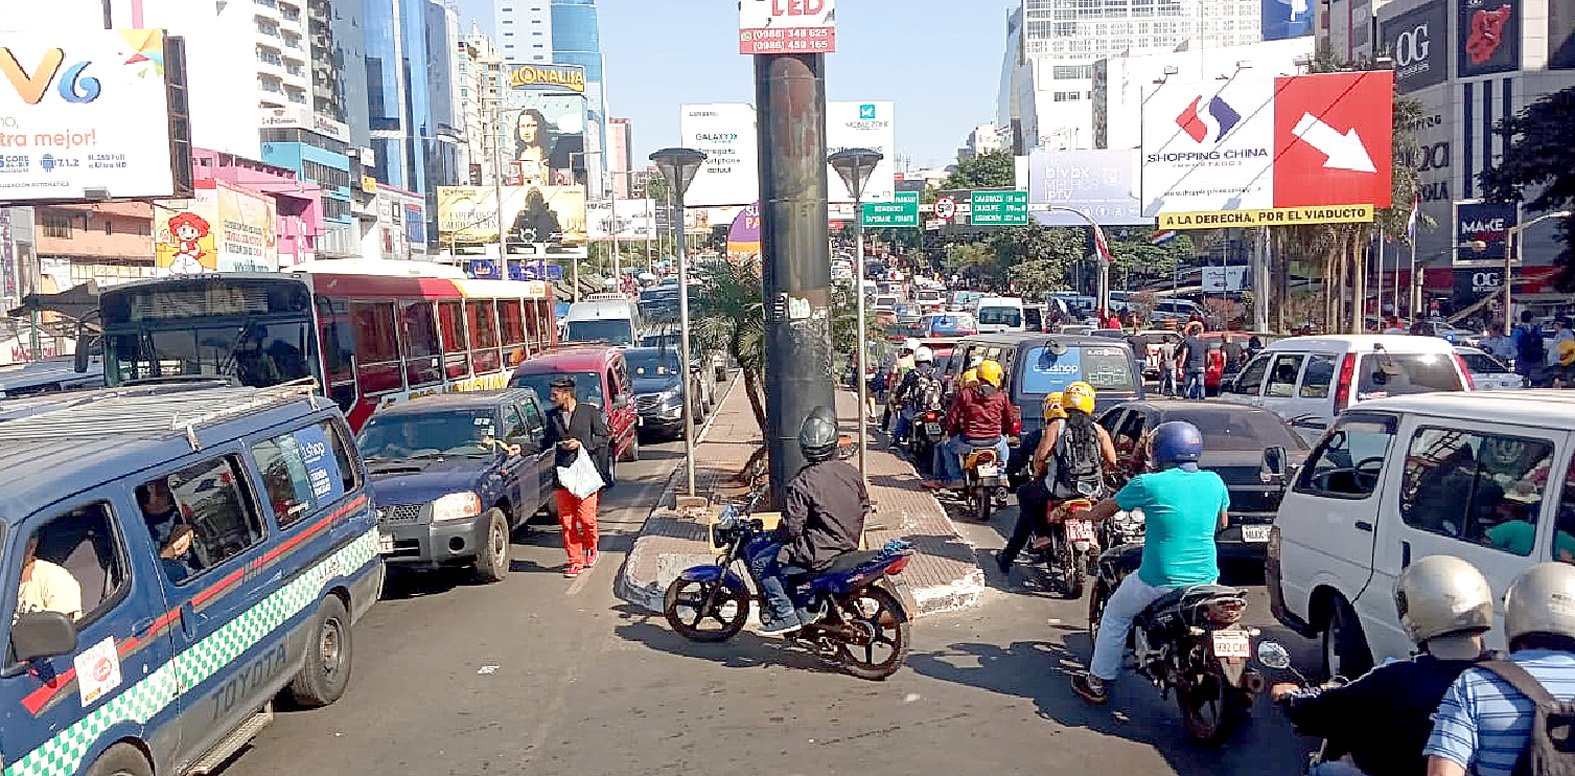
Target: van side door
(1248,386)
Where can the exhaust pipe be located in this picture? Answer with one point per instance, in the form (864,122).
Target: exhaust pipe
(1254,682)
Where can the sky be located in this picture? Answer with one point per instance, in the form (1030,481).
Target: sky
(940,60)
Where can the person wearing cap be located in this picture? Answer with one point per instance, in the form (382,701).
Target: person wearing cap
(572,427)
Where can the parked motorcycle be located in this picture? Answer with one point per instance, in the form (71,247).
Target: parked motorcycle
(1190,641)
(982,478)
(860,623)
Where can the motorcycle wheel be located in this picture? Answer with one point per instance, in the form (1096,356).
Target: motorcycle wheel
(878,612)
(1075,572)
(1211,710)
(1096,607)
(984,502)
(687,612)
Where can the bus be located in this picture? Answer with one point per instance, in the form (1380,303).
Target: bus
(368,339)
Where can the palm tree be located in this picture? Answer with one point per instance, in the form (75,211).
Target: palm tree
(732,319)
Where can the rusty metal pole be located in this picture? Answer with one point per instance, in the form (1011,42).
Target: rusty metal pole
(795,250)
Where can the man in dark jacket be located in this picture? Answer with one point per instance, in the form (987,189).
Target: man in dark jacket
(573,427)
(978,417)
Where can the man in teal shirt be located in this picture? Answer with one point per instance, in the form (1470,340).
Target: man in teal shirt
(1183,507)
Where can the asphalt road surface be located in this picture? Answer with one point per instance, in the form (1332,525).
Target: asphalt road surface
(544,675)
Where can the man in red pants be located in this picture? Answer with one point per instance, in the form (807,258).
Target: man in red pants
(572,427)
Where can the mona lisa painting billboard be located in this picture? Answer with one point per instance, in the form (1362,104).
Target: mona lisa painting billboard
(468,215)
(543,139)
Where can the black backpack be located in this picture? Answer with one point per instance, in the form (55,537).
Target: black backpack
(1530,350)
(1551,749)
(1077,467)
(926,393)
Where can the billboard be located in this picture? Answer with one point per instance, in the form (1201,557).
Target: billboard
(1561,35)
(1285,19)
(793,27)
(636,220)
(1488,37)
(531,214)
(871,125)
(743,238)
(84,110)
(1481,231)
(544,139)
(726,133)
(222,228)
(1102,182)
(1410,40)
(552,78)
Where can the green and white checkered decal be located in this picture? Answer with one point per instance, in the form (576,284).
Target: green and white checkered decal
(63,754)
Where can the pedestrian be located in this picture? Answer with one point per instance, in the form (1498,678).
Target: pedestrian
(1192,359)
(1167,366)
(571,428)
(1530,350)
(1497,344)
(1561,335)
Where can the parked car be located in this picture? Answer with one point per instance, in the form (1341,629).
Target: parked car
(601,377)
(1488,373)
(1037,364)
(658,391)
(453,476)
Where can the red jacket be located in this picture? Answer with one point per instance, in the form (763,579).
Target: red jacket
(978,414)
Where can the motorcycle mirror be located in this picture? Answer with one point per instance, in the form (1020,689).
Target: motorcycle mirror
(1272,470)
(1273,655)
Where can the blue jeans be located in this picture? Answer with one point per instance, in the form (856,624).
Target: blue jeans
(948,456)
(1167,380)
(903,426)
(766,565)
(1195,384)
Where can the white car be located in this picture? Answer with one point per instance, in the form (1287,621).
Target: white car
(1487,372)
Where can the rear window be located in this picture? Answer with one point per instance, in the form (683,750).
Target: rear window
(1238,431)
(614,331)
(1107,369)
(1001,316)
(1397,374)
(1483,364)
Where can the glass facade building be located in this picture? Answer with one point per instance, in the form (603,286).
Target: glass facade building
(576,40)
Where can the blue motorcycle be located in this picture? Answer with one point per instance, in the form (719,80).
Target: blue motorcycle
(859,623)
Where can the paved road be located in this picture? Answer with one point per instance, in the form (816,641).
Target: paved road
(542,675)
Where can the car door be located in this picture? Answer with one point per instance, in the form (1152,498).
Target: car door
(515,469)
(1248,386)
(1280,381)
(542,464)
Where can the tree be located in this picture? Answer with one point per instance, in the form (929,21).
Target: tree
(1133,255)
(1540,157)
(732,318)
(996,169)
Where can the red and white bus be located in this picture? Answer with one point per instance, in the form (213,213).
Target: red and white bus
(370,339)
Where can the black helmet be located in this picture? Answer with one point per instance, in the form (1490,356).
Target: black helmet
(818,437)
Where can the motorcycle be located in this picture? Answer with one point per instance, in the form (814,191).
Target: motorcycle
(1274,655)
(1067,544)
(924,436)
(860,624)
(982,470)
(1190,641)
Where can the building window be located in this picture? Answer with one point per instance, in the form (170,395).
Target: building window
(57,225)
(109,227)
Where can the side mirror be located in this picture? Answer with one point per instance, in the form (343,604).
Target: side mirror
(1273,655)
(1273,469)
(43,634)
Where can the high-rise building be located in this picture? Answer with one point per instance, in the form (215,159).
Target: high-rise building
(985,139)
(479,68)
(524,30)
(576,40)
(620,155)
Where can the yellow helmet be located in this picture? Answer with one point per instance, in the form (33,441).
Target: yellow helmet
(1053,408)
(970,378)
(991,372)
(1079,396)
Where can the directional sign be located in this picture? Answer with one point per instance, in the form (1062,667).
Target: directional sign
(903,213)
(945,208)
(787,26)
(1000,208)
(1332,139)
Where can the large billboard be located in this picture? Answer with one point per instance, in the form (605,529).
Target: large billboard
(531,214)
(1102,183)
(222,228)
(871,125)
(1414,40)
(636,220)
(543,139)
(726,133)
(1482,231)
(1488,34)
(84,114)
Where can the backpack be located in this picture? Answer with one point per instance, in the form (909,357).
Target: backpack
(926,392)
(1550,751)
(1529,348)
(1077,467)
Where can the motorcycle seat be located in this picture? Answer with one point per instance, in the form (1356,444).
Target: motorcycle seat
(1186,596)
(840,564)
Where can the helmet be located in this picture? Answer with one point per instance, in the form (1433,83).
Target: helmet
(910,344)
(975,360)
(1053,408)
(1541,600)
(818,436)
(1442,595)
(1175,442)
(1079,396)
(923,355)
(991,372)
(970,378)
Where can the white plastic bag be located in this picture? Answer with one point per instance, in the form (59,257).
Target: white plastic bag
(581,477)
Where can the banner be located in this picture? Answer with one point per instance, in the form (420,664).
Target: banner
(222,228)
(1489,37)
(1481,231)
(726,133)
(1103,183)
(1414,41)
(544,142)
(532,214)
(82,110)
(556,78)
(1287,216)
(1473,284)
(636,220)
(744,238)
(871,125)
(1284,19)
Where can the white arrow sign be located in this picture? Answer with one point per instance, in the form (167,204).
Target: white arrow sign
(1345,151)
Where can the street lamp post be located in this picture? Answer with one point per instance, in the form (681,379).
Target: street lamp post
(854,166)
(1509,260)
(1102,287)
(678,166)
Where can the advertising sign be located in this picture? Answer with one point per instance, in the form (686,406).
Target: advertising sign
(744,236)
(1414,40)
(1101,182)
(1224,280)
(532,214)
(1481,229)
(1289,216)
(553,78)
(726,133)
(871,125)
(636,220)
(1285,19)
(1473,284)
(1489,37)
(1561,35)
(222,228)
(787,26)
(84,110)
(1256,144)
(544,143)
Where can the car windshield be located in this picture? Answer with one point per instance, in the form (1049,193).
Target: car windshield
(652,363)
(587,385)
(256,354)
(464,433)
(1397,374)
(1237,430)
(1107,369)
(1001,316)
(614,331)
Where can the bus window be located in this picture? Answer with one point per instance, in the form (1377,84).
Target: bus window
(456,346)
(533,324)
(511,322)
(423,364)
(483,316)
(377,347)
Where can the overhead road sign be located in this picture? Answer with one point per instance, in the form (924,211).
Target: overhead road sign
(999,208)
(1289,216)
(787,26)
(902,213)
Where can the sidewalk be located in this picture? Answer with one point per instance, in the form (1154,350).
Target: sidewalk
(943,575)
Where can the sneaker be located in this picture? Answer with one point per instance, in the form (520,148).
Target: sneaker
(780,627)
(1091,688)
(591,558)
(573,570)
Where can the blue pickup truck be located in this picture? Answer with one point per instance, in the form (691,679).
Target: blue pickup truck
(453,476)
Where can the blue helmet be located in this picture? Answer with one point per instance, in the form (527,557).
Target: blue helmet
(1174,443)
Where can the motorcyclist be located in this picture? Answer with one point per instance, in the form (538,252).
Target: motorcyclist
(913,391)
(1184,507)
(981,416)
(1382,719)
(823,511)
(1027,479)
(1075,453)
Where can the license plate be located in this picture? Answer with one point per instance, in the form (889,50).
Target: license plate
(1231,644)
(933,429)
(988,470)
(1079,530)
(385,544)
(1255,533)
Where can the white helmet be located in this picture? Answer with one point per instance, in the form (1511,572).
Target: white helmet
(911,344)
(975,360)
(923,355)
(1442,595)
(1542,600)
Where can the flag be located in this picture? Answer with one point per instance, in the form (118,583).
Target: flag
(1416,214)
(1163,236)
(1101,245)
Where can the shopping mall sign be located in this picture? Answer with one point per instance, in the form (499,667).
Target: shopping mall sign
(787,26)
(570,78)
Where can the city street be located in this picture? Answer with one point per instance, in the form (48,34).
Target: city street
(546,675)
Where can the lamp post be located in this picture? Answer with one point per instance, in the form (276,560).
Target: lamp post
(1509,260)
(1102,287)
(854,166)
(678,166)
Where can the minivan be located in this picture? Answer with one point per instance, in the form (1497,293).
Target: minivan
(1038,364)
(998,314)
(601,377)
(206,549)
(611,318)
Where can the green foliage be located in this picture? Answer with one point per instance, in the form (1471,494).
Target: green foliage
(1540,157)
(1133,256)
(995,169)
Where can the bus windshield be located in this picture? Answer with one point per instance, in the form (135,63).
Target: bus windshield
(256,354)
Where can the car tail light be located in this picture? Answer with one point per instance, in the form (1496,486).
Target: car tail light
(1017,419)
(1342,391)
(899,564)
(1471,384)
(1226,611)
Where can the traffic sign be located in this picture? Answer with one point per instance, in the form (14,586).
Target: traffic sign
(1333,135)
(787,26)
(999,208)
(945,208)
(903,213)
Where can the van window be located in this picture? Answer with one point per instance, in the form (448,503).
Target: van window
(1251,381)
(304,471)
(483,318)
(1481,488)
(1318,378)
(1000,316)
(1564,527)
(1283,370)
(1105,368)
(1396,374)
(1350,460)
(199,517)
(79,566)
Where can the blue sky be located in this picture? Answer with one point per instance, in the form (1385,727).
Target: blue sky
(940,60)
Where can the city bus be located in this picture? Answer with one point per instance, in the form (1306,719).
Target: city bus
(368,339)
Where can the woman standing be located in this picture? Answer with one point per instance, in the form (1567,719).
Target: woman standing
(571,428)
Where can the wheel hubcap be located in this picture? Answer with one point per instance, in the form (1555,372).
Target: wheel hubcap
(328,647)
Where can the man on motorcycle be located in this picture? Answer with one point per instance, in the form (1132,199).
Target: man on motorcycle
(978,417)
(1025,476)
(1184,507)
(918,388)
(823,512)
(1382,719)
(1074,453)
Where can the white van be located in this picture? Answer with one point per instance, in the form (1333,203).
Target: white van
(610,318)
(998,314)
(1485,476)
(1310,380)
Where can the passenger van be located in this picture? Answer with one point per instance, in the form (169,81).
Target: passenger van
(1038,364)
(190,554)
(1485,476)
(611,318)
(998,314)
(601,377)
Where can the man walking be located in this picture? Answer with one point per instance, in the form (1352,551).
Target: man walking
(1192,359)
(573,427)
